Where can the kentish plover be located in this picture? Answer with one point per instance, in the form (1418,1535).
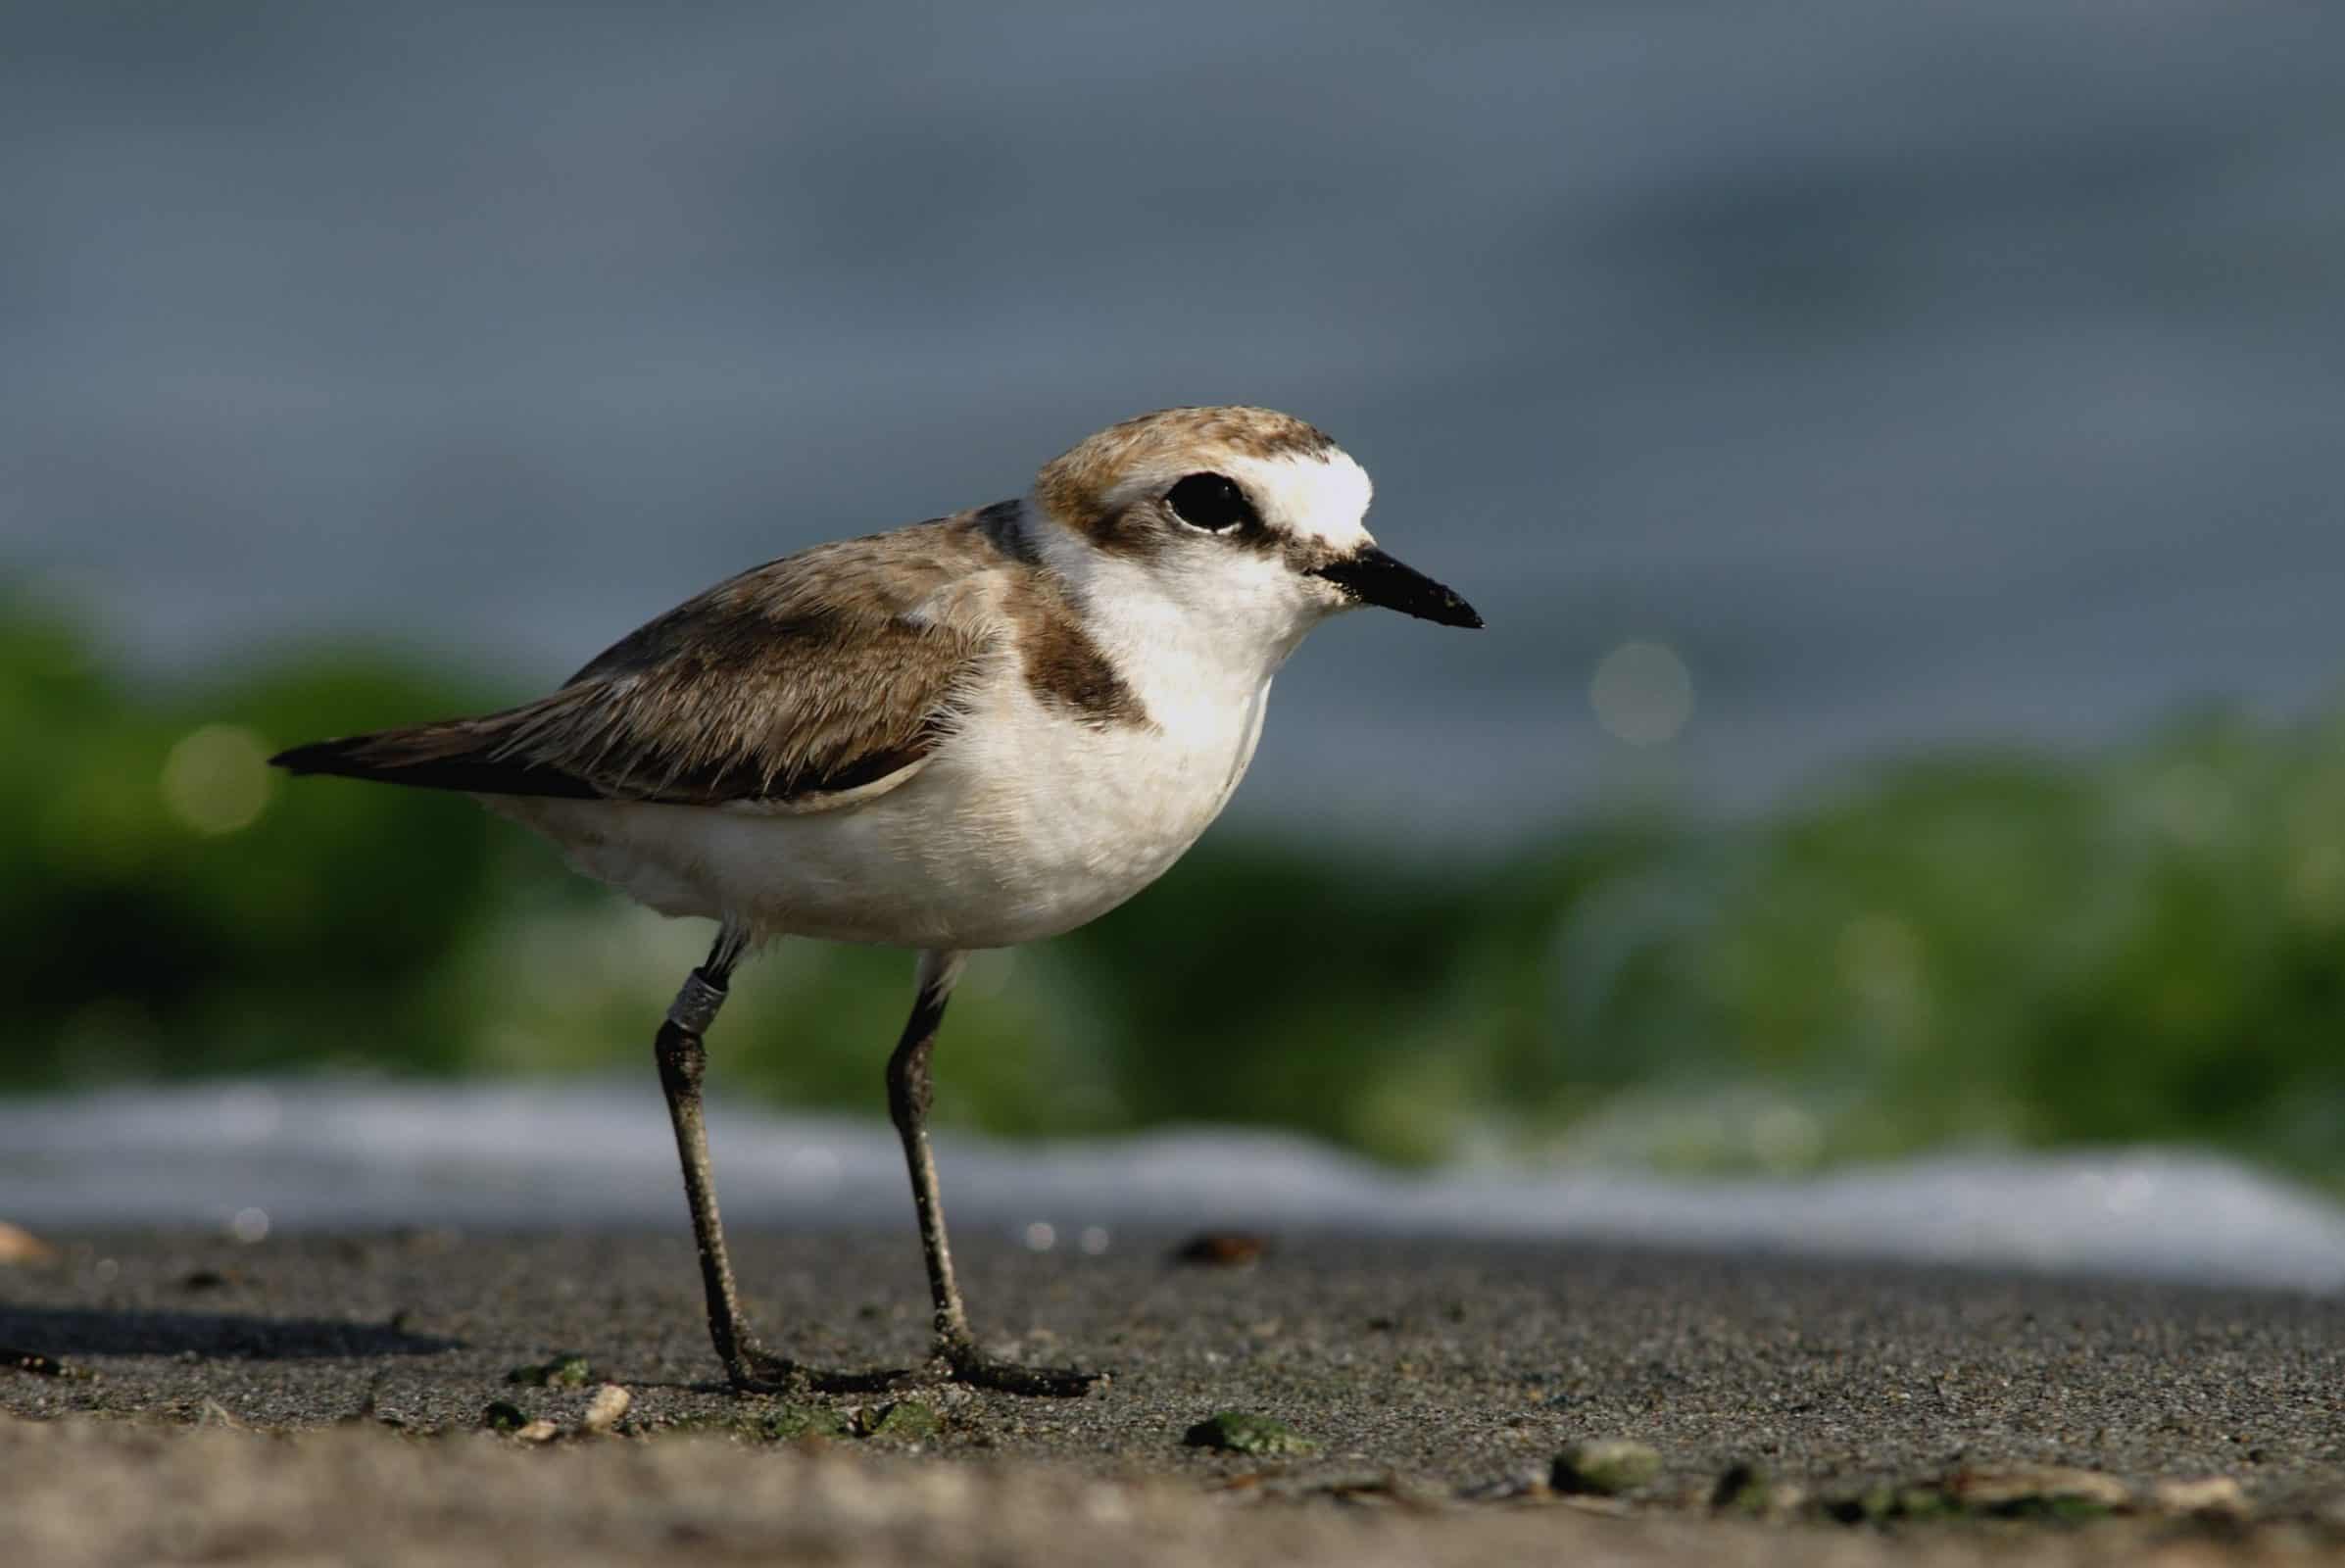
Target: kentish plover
(967,733)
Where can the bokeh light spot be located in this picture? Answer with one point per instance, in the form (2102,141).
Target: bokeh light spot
(216,779)
(1642,693)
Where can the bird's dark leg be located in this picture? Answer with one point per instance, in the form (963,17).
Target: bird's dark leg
(683,1062)
(910,1088)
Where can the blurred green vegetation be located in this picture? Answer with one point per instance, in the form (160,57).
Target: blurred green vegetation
(2147,945)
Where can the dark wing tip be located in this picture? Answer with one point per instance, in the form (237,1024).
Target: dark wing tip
(385,760)
(315,757)
(319,757)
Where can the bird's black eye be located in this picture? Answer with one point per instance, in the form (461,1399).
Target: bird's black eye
(1213,502)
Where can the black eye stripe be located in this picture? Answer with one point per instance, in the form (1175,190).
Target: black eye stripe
(1214,503)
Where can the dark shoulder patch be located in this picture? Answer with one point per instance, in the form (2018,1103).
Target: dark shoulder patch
(1068,670)
(998,523)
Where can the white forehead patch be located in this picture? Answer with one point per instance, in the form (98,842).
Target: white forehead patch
(1320,498)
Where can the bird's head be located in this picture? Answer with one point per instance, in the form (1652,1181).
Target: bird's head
(1237,513)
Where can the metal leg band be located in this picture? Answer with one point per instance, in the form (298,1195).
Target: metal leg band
(695,1006)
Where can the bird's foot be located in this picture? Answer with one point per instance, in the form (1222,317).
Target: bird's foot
(965,1363)
(757,1370)
(754,1369)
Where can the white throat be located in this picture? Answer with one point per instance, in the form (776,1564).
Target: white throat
(1191,650)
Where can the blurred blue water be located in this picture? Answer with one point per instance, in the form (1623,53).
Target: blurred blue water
(1917,373)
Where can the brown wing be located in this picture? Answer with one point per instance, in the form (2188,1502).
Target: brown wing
(804,677)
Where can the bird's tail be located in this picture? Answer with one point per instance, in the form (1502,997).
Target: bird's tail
(460,754)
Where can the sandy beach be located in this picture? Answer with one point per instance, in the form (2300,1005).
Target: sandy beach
(1796,1412)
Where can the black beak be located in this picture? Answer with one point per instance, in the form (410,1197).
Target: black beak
(1373,577)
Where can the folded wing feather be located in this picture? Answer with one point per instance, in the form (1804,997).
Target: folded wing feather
(817,674)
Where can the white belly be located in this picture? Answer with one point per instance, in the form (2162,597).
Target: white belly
(1023,826)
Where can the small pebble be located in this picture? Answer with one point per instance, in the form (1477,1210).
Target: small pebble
(1221,1250)
(1604,1467)
(1525,1483)
(2007,1489)
(603,1411)
(2216,1495)
(1242,1432)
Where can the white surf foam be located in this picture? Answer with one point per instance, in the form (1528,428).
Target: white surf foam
(371,1153)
